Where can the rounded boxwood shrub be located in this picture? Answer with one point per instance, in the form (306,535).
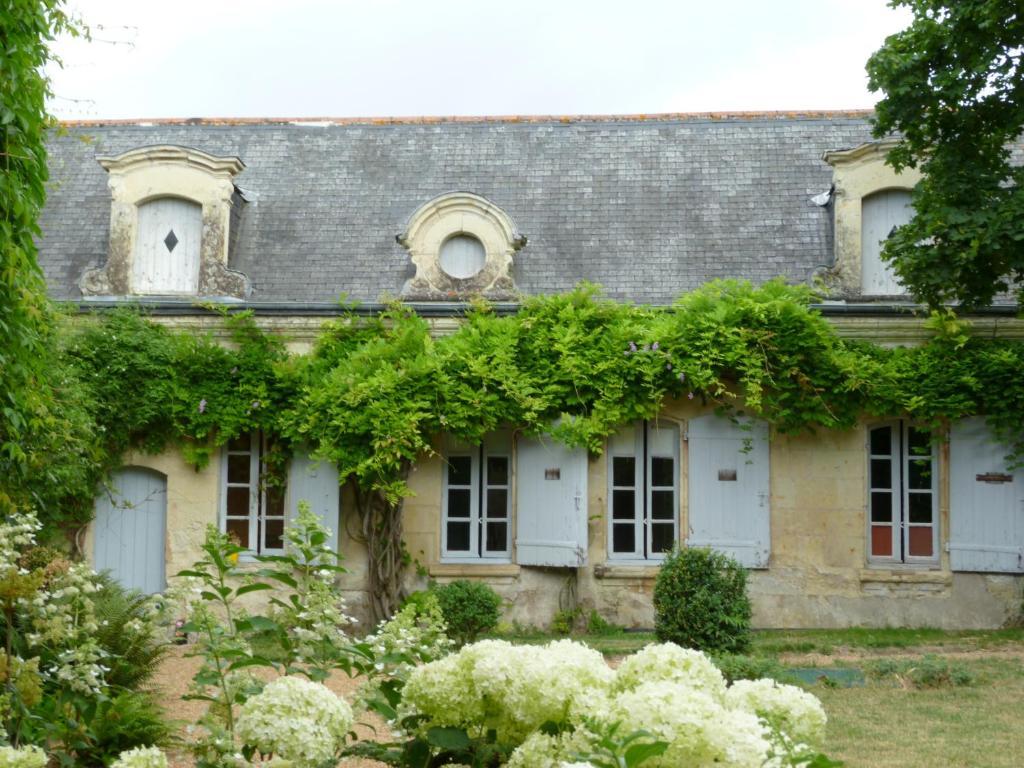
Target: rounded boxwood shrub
(700,601)
(470,608)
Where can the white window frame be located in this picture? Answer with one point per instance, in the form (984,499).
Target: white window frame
(900,459)
(643,490)
(257,515)
(480,511)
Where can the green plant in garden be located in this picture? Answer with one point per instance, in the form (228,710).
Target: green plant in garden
(470,608)
(700,601)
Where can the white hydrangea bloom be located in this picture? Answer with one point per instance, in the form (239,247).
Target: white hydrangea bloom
(699,730)
(670,663)
(295,719)
(23,757)
(794,711)
(513,689)
(141,757)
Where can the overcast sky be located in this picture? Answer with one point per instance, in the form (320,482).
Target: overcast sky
(345,58)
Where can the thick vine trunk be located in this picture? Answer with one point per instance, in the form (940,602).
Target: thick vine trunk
(381,531)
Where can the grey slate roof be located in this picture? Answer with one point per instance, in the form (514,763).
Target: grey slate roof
(648,208)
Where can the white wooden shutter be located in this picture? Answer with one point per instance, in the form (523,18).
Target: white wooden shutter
(167,243)
(879,214)
(729,507)
(551,503)
(317,483)
(986,515)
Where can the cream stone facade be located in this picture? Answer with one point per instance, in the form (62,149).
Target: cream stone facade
(649,207)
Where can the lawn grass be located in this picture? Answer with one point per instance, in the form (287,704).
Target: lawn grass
(882,725)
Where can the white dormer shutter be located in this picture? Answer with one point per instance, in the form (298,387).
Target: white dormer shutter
(317,483)
(551,503)
(168,240)
(880,214)
(729,508)
(986,503)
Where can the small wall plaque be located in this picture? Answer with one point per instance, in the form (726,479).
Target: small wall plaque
(994,477)
(553,474)
(727,475)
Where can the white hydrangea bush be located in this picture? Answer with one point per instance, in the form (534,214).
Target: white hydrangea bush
(141,757)
(792,710)
(23,757)
(511,689)
(675,694)
(296,720)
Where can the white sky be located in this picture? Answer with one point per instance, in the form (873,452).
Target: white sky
(338,58)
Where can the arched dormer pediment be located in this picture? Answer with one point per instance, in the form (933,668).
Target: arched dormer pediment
(461,245)
(160,248)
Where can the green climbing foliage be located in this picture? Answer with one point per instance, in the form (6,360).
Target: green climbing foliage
(376,392)
(31,412)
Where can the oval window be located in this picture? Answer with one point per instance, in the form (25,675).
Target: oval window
(462,256)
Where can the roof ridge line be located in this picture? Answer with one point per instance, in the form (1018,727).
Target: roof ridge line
(438,119)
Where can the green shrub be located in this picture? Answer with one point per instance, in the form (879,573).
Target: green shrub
(127,720)
(130,633)
(700,601)
(470,608)
(600,626)
(736,666)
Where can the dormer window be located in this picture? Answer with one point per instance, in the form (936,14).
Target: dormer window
(881,214)
(167,244)
(871,199)
(170,219)
(461,245)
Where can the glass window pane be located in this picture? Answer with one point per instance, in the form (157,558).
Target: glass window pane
(497,502)
(881,441)
(273,534)
(238,502)
(497,470)
(460,470)
(662,537)
(239,531)
(275,502)
(458,502)
(663,505)
(920,507)
(920,471)
(921,541)
(240,443)
(624,471)
(623,505)
(238,468)
(663,471)
(497,537)
(623,538)
(920,441)
(881,507)
(881,540)
(458,537)
(881,473)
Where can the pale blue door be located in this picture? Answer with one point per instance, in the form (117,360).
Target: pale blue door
(130,529)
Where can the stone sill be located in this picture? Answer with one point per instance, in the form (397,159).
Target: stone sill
(469,570)
(626,571)
(891,576)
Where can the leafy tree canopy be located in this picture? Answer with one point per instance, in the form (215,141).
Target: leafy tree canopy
(953,87)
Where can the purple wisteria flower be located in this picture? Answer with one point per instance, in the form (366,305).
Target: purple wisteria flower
(690,396)
(668,366)
(655,346)
(632,346)
(682,377)
(202,405)
(255,404)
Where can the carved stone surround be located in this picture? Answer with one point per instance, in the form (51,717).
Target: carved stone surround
(147,173)
(460,213)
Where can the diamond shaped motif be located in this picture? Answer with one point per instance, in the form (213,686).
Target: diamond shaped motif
(171,240)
